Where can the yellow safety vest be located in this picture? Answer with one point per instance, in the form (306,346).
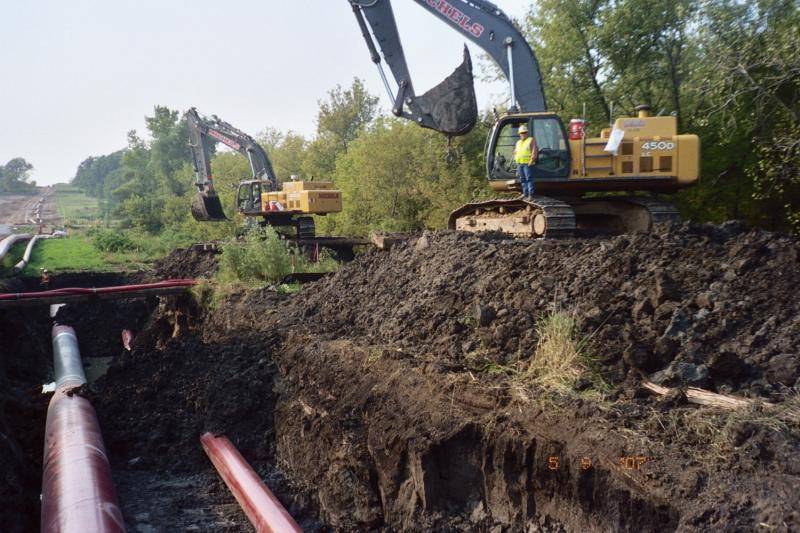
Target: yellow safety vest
(524,151)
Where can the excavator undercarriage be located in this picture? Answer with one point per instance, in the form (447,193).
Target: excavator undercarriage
(545,217)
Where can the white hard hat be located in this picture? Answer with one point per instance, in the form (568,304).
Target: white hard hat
(523,128)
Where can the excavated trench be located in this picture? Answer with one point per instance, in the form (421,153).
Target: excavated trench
(389,395)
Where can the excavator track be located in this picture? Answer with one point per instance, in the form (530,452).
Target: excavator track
(621,214)
(539,217)
(305,227)
(660,212)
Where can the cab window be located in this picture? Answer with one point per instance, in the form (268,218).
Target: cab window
(553,160)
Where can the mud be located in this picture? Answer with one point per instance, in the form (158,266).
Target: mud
(389,396)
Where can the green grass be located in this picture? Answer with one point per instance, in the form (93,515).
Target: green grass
(74,206)
(73,254)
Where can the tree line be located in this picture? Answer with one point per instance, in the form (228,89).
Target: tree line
(727,69)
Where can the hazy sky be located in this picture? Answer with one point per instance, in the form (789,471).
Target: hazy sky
(77,75)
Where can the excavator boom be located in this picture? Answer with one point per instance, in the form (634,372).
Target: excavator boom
(451,106)
(202,133)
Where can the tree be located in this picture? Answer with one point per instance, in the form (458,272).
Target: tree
(286,151)
(15,175)
(341,117)
(345,112)
(410,185)
(748,88)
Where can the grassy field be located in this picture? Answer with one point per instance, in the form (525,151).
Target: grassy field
(73,254)
(75,207)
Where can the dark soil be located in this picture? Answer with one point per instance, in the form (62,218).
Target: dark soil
(184,263)
(388,396)
(380,393)
(24,366)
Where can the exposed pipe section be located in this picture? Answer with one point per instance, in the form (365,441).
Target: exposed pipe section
(259,504)
(78,494)
(67,364)
(26,257)
(11,240)
(103,293)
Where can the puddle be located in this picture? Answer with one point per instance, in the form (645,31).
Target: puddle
(96,367)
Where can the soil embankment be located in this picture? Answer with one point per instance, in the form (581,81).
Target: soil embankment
(393,395)
(388,395)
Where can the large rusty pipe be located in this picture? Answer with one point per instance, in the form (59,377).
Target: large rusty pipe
(262,508)
(78,494)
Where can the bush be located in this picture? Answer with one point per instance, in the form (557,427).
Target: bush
(112,241)
(261,257)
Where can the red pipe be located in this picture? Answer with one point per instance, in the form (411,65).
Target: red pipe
(77,291)
(259,504)
(78,494)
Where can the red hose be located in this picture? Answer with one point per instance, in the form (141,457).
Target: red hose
(259,504)
(77,291)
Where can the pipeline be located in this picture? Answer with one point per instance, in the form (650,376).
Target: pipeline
(262,508)
(95,291)
(26,257)
(8,242)
(78,494)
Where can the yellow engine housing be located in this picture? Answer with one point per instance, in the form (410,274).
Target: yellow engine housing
(305,197)
(651,146)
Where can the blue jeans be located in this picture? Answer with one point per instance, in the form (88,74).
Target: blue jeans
(525,173)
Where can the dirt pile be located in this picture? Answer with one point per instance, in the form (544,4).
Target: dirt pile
(386,397)
(185,263)
(712,306)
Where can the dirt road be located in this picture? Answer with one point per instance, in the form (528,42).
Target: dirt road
(21,209)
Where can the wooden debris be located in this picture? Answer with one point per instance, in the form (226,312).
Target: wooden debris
(724,401)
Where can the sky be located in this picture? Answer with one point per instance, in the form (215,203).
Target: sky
(78,75)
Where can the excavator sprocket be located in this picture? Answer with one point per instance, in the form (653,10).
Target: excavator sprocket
(539,217)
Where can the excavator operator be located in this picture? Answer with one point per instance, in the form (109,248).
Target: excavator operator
(525,154)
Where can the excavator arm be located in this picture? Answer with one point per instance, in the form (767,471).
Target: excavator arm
(204,132)
(451,107)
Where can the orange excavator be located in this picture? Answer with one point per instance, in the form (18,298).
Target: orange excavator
(640,154)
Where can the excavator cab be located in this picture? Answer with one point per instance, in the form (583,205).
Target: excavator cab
(248,196)
(548,131)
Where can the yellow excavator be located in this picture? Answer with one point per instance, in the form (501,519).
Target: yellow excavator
(289,205)
(637,154)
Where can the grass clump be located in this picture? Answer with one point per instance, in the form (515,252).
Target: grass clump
(563,359)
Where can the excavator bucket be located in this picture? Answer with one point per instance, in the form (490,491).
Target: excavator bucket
(452,104)
(206,207)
